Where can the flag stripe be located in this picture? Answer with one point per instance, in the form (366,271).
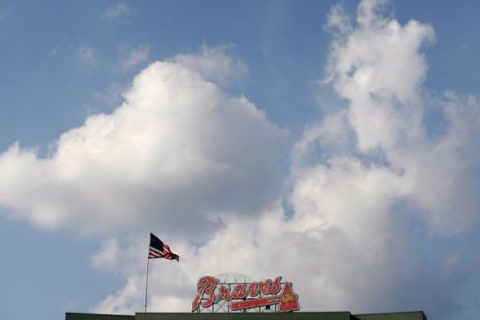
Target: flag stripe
(158,249)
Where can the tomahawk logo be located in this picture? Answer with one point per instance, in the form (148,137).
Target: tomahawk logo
(246,295)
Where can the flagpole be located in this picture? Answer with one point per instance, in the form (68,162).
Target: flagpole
(146,283)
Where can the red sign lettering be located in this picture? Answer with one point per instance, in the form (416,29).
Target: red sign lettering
(205,286)
(210,292)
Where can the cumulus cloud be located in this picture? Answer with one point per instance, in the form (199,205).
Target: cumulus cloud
(374,197)
(373,193)
(379,69)
(380,178)
(178,150)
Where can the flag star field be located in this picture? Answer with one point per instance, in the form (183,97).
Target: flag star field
(334,143)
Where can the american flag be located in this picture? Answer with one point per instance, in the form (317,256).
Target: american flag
(158,249)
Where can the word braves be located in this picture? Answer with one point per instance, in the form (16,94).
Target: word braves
(210,292)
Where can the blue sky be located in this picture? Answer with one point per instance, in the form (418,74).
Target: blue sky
(347,130)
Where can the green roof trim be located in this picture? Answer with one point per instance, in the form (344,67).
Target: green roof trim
(410,315)
(97,316)
(245,315)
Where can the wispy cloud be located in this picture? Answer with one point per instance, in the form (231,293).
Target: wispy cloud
(132,57)
(116,11)
(214,64)
(3,14)
(85,56)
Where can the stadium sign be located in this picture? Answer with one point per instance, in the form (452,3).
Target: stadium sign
(259,296)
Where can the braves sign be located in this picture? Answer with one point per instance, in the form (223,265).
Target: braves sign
(242,296)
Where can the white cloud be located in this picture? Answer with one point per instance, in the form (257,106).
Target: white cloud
(116,10)
(371,193)
(176,151)
(379,69)
(368,66)
(394,175)
(366,213)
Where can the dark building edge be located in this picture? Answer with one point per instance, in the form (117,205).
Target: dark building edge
(334,315)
